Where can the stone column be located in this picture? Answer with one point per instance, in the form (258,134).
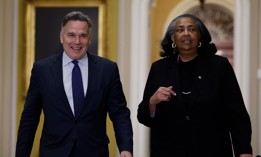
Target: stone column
(134,62)
(8,74)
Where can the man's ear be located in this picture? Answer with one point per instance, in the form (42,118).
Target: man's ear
(61,39)
(90,41)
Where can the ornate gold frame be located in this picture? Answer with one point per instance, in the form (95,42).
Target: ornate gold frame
(30,27)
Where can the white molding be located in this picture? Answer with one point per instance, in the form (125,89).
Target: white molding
(242,46)
(258,145)
(14,77)
(139,70)
(134,60)
(8,90)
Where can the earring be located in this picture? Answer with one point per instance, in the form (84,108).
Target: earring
(173,45)
(199,44)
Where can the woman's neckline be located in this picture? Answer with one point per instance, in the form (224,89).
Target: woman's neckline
(187,61)
(187,58)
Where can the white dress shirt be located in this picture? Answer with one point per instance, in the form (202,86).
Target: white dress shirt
(67,76)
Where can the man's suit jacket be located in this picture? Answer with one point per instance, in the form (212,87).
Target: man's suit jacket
(203,126)
(61,130)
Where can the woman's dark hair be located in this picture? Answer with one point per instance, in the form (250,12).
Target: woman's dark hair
(205,38)
(77,16)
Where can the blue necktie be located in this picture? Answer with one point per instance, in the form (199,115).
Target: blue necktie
(77,88)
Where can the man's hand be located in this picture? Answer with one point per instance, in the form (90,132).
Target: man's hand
(246,155)
(126,154)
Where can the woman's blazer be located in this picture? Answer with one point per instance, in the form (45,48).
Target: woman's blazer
(213,119)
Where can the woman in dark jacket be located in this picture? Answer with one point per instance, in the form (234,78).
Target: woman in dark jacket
(192,101)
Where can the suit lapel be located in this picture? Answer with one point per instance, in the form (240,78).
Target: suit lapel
(91,74)
(57,72)
(92,71)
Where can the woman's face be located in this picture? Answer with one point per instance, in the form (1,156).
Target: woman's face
(186,36)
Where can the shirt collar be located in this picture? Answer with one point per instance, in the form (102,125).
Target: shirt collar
(67,60)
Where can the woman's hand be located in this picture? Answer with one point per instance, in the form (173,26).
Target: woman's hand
(162,94)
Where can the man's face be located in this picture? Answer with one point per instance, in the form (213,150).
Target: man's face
(75,37)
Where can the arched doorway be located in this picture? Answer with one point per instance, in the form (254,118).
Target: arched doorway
(220,24)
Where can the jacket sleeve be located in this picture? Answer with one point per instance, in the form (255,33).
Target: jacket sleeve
(30,118)
(239,120)
(119,113)
(144,116)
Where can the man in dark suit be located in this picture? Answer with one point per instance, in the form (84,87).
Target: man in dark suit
(75,126)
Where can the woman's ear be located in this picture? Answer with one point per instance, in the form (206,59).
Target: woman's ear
(172,38)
